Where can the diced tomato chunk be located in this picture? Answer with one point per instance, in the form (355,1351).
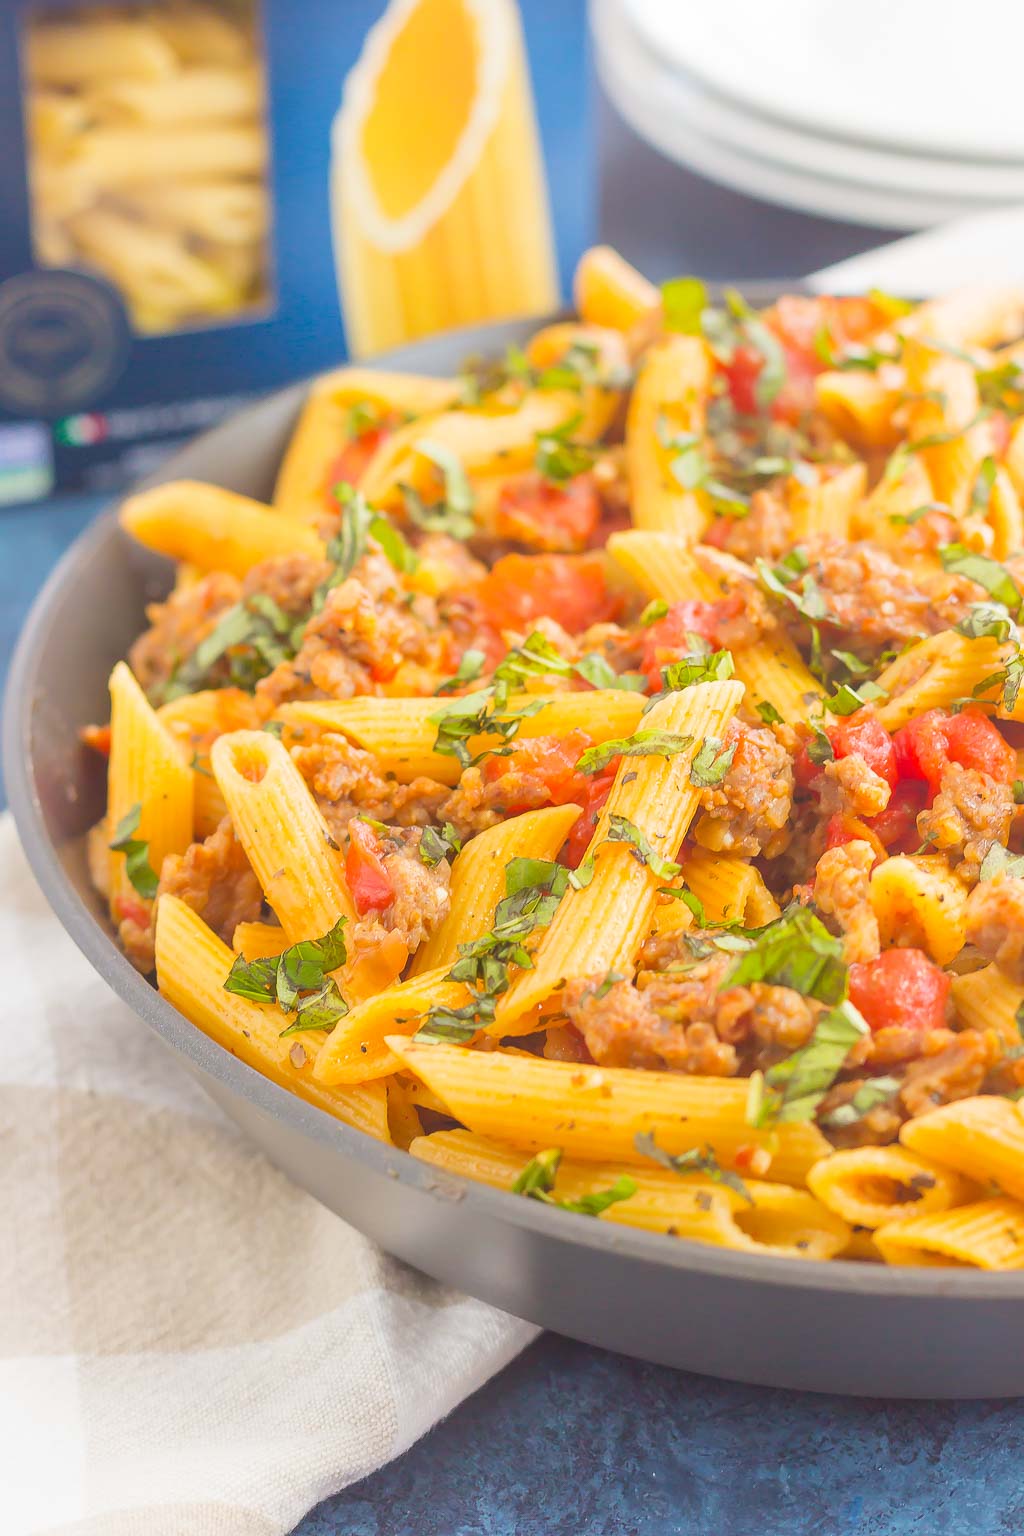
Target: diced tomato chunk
(97,737)
(545,516)
(132,909)
(597,792)
(896,826)
(742,373)
(862,734)
(843,828)
(903,988)
(669,638)
(368,879)
(571,589)
(352,462)
(925,746)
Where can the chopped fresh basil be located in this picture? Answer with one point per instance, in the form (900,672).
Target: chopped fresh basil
(435,846)
(981,490)
(469,669)
(696,1160)
(819,748)
(558,457)
(987,621)
(711,762)
(537,1182)
(140,872)
(687,897)
(640,744)
(297,979)
(847,700)
(793,1088)
(594,669)
(1018,791)
(476,714)
(622,830)
(457,1026)
(796,951)
(769,714)
(995,578)
(656,609)
(697,667)
(683,302)
(453,514)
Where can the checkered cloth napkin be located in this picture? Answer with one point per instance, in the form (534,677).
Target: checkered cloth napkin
(189,1344)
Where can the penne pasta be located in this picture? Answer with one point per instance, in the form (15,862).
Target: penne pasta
(150,780)
(601,927)
(401,732)
(214,529)
(355,1051)
(879,1186)
(988,999)
(192,965)
(608,291)
(478,878)
(596,1113)
(828,507)
(982,1137)
(920,903)
(768,1218)
(666,415)
(986,1235)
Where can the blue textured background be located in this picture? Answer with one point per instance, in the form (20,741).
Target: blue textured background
(571,1441)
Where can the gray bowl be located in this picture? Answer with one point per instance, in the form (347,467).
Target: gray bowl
(837,1327)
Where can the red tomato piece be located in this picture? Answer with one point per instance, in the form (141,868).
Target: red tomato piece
(568,588)
(352,462)
(896,826)
(742,373)
(862,734)
(545,516)
(132,909)
(368,879)
(596,793)
(547,761)
(902,988)
(667,640)
(926,745)
(843,829)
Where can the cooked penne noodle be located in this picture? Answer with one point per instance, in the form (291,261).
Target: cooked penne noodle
(355,1051)
(943,412)
(936,672)
(283,833)
(771,1218)
(192,965)
(861,407)
(601,927)
(401,732)
(920,903)
(877,1186)
(986,1235)
(214,529)
(322,429)
(149,773)
(828,507)
(258,941)
(982,1137)
(596,1113)
(730,889)
(988,999)
(478,878)
(608,291)
(666,412)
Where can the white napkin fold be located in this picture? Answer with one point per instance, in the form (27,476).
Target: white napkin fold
(188,1342)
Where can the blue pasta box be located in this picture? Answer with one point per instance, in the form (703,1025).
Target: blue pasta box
(205,199)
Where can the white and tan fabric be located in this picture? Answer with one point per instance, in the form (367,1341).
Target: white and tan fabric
(189,1344)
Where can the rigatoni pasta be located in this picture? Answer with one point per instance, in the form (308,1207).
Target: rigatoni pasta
(599,774)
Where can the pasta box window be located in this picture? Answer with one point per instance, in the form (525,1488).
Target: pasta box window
(202,197)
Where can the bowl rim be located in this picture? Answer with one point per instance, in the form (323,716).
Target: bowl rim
(99,947)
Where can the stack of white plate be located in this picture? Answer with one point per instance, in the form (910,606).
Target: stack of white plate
(893,113)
